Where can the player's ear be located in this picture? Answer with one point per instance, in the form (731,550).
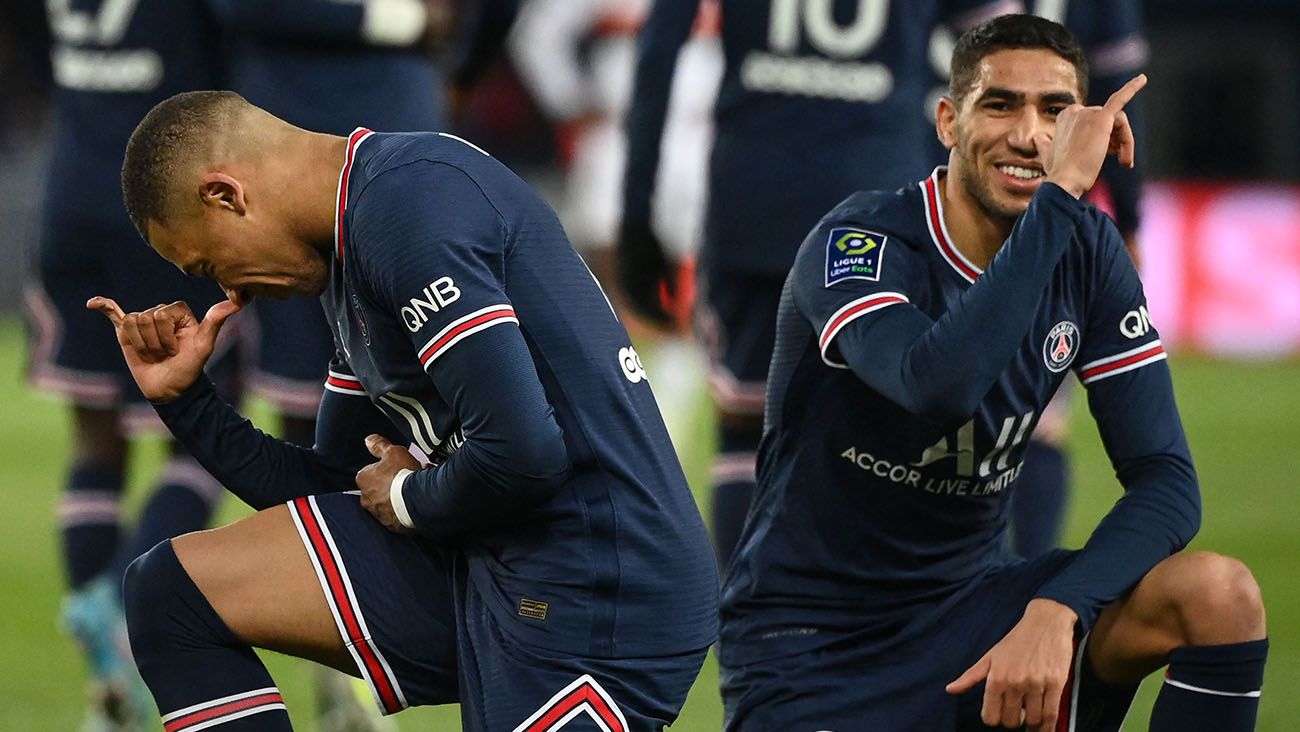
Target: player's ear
(222,191)
(945,122)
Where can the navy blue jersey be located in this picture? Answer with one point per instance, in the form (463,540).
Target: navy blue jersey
(1111,35)
(817,100)
(903,388)
(463,315)
(309,63)
(113,60)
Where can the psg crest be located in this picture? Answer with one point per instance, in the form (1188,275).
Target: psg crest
(1060,346)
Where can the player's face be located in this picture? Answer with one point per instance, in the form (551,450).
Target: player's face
(1015,99)
(247,258)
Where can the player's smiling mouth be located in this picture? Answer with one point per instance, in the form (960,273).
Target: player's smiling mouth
(1021,172)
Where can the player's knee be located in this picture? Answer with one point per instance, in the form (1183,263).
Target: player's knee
(145,598)
(159,599)
(1217,599)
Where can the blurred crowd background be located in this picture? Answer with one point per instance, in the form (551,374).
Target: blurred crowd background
(1219,244)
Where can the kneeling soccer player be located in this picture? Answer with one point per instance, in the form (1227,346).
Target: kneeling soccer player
(544,564)
(920,335)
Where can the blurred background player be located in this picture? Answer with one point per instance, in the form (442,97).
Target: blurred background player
(576,58)
(112,61)
(817,101)
(328,66)
(331,67)
(1111,34)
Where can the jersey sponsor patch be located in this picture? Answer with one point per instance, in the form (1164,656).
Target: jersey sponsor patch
(1061,344)
(854,254)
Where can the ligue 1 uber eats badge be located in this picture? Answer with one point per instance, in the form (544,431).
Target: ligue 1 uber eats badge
(854,254)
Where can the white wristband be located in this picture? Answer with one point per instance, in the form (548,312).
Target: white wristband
(399,502)
(393,22)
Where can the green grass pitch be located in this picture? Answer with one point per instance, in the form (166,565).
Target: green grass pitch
(1243,420)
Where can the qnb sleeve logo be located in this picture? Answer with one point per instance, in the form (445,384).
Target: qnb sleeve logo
(854,254)
(437,295)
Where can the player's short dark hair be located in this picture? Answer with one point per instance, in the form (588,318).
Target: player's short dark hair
(1009,32)
(169,135)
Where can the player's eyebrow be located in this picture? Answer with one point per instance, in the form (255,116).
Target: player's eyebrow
(1009,95)
(1059,97)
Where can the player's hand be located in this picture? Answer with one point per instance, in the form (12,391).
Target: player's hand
(376,480)
(1084,136)
(165,346)
(1025,673)
(645,273)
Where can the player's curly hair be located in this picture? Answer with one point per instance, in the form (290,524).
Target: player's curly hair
(1007,32)
(171,135)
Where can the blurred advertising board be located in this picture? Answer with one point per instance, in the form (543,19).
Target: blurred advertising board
(1221,266)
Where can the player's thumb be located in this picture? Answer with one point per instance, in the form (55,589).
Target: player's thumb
(970,678)
(216,317)
(377,445)
(1043,144)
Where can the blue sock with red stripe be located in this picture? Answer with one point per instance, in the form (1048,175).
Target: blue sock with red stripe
(200,674)
(89,516)
(1211,688)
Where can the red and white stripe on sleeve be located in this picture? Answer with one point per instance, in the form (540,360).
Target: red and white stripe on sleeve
(850,312)
(344,384)
(464,327)
(1134,358)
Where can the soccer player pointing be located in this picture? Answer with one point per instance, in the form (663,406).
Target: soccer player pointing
(543,562)
(919,337)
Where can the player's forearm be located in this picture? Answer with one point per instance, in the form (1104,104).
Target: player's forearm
(1158,515)
(476,490)
(942,369)
(665,31)
(1160,510)
(514,455)
(258,468)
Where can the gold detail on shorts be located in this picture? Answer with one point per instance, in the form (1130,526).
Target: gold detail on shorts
(534,609)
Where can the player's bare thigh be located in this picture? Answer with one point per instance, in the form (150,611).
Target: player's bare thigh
(256,574)
(1191,598)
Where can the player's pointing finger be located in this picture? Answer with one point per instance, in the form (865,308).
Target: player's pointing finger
(1125,93)
(108,306)
(973,676)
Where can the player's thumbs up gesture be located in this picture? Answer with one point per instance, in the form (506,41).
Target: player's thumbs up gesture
(1084,136)
(165,346)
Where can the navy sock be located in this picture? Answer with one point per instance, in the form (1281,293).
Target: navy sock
(183,502)
(1038,500)
(200,674)
(733,489)
(1211,688)
(90,520)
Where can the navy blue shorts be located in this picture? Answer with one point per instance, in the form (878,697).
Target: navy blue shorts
(849,685)
(421,634)
(735,321)
(292,346)
(73,352)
